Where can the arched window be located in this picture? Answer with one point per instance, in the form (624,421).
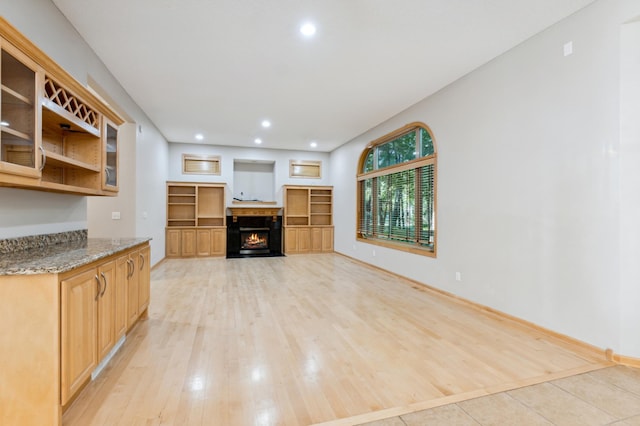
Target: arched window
(397,191)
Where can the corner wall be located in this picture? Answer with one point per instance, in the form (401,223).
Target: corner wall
(528,182)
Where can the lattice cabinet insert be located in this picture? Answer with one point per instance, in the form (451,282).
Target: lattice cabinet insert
(196,219)
(308,219)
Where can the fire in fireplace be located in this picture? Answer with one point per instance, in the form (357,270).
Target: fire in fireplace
(254,240)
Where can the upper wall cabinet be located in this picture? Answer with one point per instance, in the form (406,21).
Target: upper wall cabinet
(56,135)
(19,139)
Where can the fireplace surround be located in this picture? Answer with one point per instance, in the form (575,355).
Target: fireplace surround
(254,236)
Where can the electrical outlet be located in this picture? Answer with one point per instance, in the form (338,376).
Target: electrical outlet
(458,276)
(115,215)
(373,253)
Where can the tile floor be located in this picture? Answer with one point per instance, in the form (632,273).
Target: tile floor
(609,396)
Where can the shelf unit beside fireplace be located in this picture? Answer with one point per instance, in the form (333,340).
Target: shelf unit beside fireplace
(196,219)
(308,219)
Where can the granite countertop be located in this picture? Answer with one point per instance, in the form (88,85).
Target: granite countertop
(64,256)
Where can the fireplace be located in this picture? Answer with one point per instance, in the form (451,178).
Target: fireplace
(254,240)
(254,232)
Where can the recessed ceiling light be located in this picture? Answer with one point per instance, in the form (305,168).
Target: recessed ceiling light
(266,123)
(313,144)
(308,29)
(199,136)
(258,141)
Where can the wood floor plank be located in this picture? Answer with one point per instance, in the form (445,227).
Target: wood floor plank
(307,339)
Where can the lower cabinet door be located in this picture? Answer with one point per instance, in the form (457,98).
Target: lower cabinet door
(219,242)
(174,238)
(105,310)
(188,243)
(132,288)
(327,239)
(144,278)
(304,240)
(291,240)
(120,302)
(316,239)
(78,334)
(203,242)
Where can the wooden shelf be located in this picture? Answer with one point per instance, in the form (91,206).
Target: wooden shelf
(63,187)
(16,133)
(16,95)
(308,219)
(53,115)
(58,160)
(196,219)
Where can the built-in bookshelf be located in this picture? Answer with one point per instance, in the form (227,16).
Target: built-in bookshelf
(308,219)
(196,219)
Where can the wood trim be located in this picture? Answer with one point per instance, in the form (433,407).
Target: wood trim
(398,246)
(254,211)
(575,344)
(622,359)
(389,136)
(315,165)
(409,165)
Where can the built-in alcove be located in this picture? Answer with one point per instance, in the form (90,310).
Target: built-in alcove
(253,180)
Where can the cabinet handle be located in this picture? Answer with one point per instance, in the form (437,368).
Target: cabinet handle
(132,267)
(141,262)
(104,278)
(44,157)
(99,287)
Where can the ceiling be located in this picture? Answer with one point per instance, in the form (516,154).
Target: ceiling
(220,67)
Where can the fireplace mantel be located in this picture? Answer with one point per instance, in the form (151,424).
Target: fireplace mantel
(237,212)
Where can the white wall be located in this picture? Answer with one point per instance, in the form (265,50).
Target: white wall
(34,213)
(528,184)
(630,187)
(229,154)
(142,176)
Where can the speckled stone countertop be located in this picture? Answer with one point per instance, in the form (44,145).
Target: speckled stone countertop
(62,256)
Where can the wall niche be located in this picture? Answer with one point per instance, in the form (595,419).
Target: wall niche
(253,180)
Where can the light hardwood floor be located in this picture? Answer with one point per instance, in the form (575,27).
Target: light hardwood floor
(308,339)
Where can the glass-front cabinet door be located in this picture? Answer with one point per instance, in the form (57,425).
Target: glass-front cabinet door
(110,156)
(20,152)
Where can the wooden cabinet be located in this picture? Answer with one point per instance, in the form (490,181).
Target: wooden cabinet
(172,242)
(327,239)
(98,305)
(20,80)
(219,241)
(196,219)
(78,336)
(144,279)
(138,279)
(210,242)
(308,219)
(188,243)
(59,326)
(110,156)
(120,298)
(55,134)
(106,336)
